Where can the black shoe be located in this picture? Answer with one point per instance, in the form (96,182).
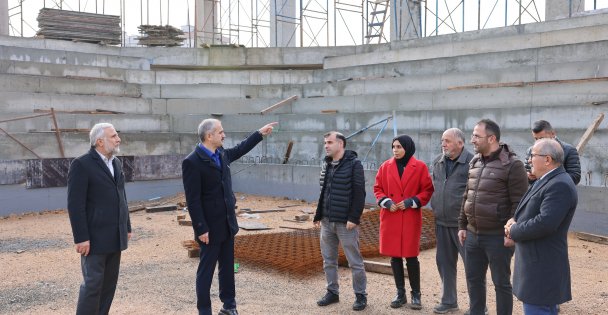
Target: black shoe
(445,308)
(399,299)
(416,304)
(468,312)
(328,298)
(231,311)
(360,302)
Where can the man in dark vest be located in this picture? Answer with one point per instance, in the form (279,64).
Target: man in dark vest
(338,212)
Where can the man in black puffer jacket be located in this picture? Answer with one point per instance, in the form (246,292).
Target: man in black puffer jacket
(338,212)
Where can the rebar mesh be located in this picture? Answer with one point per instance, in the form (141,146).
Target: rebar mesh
(298,252)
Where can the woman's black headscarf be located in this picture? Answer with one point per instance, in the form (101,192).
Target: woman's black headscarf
(410,148)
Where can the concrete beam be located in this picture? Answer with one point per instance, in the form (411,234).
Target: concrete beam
(283,23)
(407,24)
(4,17)
(205,22)
(559,9)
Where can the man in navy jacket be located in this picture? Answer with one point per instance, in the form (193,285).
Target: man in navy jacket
(541,278)
(211,203)
(99,215)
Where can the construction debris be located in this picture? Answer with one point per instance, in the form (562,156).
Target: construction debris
(161,208)
(302,217)
(378,267)
(249,225)
(79,26)
(158,35)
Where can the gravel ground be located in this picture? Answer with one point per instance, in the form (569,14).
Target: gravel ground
(40,274)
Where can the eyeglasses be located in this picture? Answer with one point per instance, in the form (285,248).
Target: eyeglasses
(534,154)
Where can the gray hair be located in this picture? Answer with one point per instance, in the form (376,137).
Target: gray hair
(205,127)
(97,132)
(457,133)
(552,148)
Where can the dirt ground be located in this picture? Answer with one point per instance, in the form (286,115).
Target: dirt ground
(40,272)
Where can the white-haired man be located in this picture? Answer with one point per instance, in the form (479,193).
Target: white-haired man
(99,215)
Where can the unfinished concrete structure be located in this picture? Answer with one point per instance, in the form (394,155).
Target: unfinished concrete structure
(555,70)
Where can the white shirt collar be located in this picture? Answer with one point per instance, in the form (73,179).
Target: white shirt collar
(107,162)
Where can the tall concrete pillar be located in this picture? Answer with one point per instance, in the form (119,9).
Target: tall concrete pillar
(3,17)
(405,19)
(559,9)
(205,19)
(283,23)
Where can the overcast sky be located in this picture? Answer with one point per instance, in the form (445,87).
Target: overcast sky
(157,12)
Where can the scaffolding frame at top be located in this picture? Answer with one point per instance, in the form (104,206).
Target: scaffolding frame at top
(316,22)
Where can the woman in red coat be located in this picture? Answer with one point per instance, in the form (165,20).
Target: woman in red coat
(403,185)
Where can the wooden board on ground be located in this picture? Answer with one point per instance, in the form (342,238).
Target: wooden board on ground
(161,208)
(592,238)
(378,267)
(184,222)
(253,225)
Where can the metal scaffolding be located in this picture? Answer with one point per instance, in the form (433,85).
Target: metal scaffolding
(315,22)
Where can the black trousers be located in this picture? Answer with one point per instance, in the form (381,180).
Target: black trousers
(221,254)
(100,274)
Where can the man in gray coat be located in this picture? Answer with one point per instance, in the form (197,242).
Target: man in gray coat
(541,276)
(450,173)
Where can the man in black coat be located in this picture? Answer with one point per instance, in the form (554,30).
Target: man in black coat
(97,206)
(211,203)
(541,277)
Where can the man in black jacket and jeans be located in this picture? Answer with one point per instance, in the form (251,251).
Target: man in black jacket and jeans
(338,212)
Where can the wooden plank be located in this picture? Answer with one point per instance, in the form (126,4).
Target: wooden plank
(302,217)
(378,267)
(329,111)
(137,208)
(289,206)
(184,222)
(522,84)
(194,252)
(161,208)
(589,133)
(284,102)
(252,225)
(181,216)
(592,238)
(263,211)
(288,152)
(293,227)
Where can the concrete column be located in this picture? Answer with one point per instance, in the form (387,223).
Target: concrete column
(283,23)
(205,17)
(559,9)
(405,19)
(3,17)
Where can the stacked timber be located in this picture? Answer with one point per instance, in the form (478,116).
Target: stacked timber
(79,26)
(158,35)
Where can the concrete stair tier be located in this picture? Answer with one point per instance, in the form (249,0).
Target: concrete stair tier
(515,75)
(559,32)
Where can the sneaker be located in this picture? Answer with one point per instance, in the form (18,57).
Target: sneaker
(445,308)
(360,302)
(328,298)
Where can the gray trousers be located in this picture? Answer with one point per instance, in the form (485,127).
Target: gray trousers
(448,248)
(100,273)
(333,234)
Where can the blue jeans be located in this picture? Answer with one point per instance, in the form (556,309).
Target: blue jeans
(333,234)
(482,251)
(533,309)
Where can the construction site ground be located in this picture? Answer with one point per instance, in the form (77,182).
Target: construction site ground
(40,271)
